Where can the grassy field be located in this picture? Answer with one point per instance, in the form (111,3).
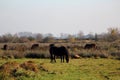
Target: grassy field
(77,69)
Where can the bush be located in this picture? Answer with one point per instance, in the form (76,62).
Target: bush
(94,54)
(115,54)
(12,54)
(36,55)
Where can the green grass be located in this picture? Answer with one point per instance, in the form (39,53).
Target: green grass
(77,69)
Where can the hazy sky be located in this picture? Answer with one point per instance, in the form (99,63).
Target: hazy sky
(58,16)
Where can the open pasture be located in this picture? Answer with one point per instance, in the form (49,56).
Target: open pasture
(77,69)
(19,62)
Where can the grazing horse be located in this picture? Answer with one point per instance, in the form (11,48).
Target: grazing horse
(58,51)
(90,46)
(5,47)
(34,46)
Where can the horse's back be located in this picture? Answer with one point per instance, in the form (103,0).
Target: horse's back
(58,50)
(63,49)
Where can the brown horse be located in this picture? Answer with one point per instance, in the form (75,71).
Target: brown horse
(90,46)
(34,46)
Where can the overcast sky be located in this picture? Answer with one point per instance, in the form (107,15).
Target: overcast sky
(58,16)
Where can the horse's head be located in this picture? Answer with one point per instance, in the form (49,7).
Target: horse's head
(67,56)
(67,60)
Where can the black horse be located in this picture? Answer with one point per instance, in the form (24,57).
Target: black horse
(58,51)
(5,47)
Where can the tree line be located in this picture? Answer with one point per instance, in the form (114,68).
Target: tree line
(111,35)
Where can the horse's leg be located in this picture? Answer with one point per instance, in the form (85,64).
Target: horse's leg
(51,56)
(54,59)
(63,58)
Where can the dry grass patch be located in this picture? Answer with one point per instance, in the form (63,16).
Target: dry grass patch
(13,70)
(29,65)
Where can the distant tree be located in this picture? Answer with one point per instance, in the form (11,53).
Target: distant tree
(39,37)
(15,38)
(80,35)
(96,37)
(48,38)
(113,34)
(30,38)
(1,39)
(7,37)
(71,38)
(23,39)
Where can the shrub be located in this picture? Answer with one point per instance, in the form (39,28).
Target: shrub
(36,55)
(94,54)
(12,54)
(103,55)
(116,54)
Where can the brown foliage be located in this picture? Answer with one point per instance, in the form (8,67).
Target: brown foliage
(10,68)
(29,65)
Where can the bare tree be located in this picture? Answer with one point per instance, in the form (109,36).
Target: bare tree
(23,39)
(71,38)
(113,34)
(39,37)
(7,37)
(96,37)
(48,38)
(80,35)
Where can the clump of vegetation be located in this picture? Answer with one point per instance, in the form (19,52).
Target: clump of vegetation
(8,69)
(36,55)
(14,70)
(29,65)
